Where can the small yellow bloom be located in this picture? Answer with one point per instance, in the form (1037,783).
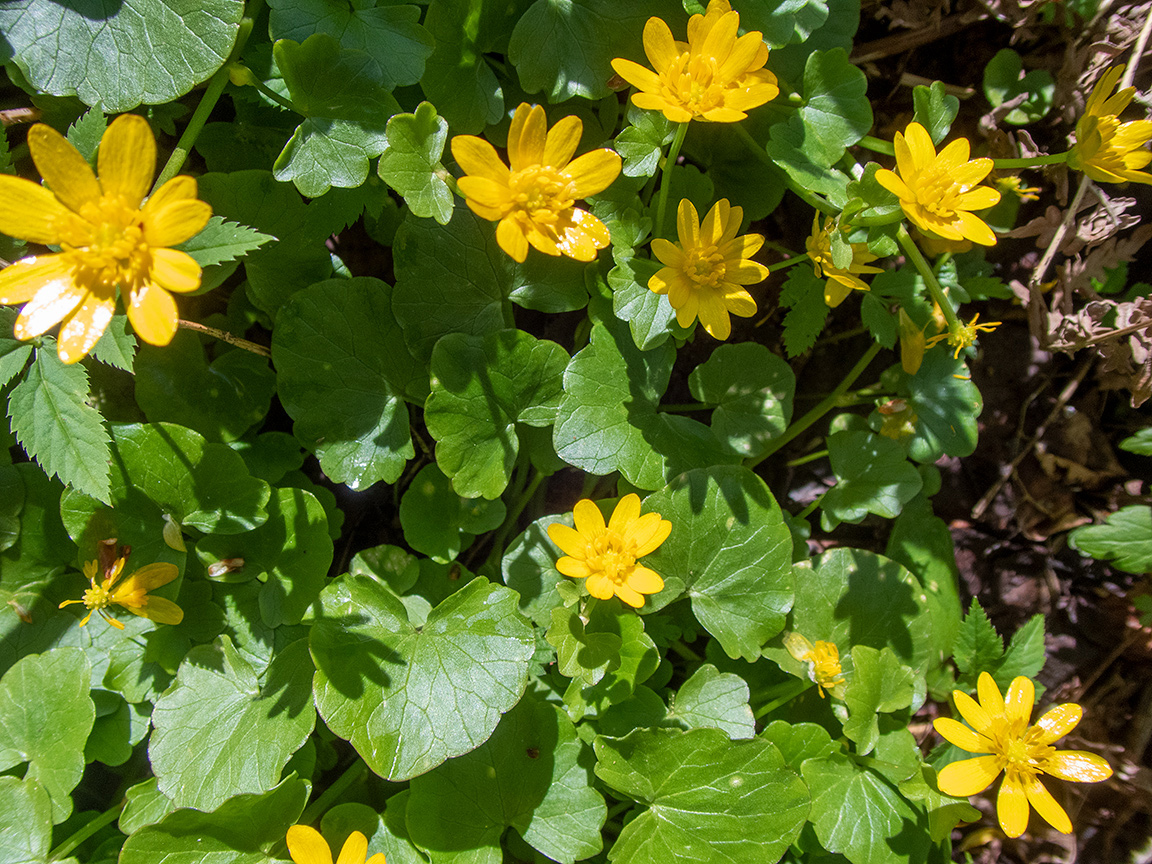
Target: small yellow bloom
(841,281)
(306,846)
(132,594)
(702,274)
(964,335)
(714,76)
(1014,185)
(533,200)
(823,661)
(605,556)
(1000,728)
(108,239)
(1107,150)
(937,191)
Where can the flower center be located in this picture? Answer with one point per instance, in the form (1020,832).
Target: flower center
(825,660)
(704,267)
(613,557)
(97,597)
(542,192)
(117,254)
(691,80)
(937,192)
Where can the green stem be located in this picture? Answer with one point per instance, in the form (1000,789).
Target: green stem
(351,774)
(497,551)
(790,262)
(877,145)
(791,690)
(803,460)
(811,198)
(810,509)
(832,400)
(684,651)
(622,807)
(89,828)
(274,96)
(918,261)
(665,180)
(1032,161)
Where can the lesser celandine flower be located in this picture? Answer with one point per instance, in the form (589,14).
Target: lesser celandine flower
(132,593)
(533,196)
(964,335)
(704,272)
(841,281)
(306,846)
(108,240)
(1107,150)
(1000,728)
(605,556)
(938,191)
(715,75)
(823,661)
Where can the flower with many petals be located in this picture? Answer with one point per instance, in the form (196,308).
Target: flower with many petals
(938,191)
(132,593)
(108,240)
(533,196)
(306,846)
(605,555)
(1107,150)
(840,280)
(704,272)
(822,660)
(964,335)
(1000,728)
(715,75)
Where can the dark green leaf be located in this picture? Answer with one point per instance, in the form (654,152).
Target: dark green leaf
(804,293)
(436,520)
(872,476)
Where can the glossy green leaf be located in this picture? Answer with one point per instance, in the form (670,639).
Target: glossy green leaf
(641,143)
(1003,82)
(116,731)
(713,699)
(482,387)
(649,315)
(872,476)
(11,503)
(879,682)
(529,568)
(25,822)
(1124,539)
(437,521)
(14,354)
(582,652)
(935,110)
(785,21)
(411,165)
(635,658)
(798,742)
(732,553)
(43,548)
(220,242)
(944,811)
(343,819)
(1140,443)
(947,404)
(408,699)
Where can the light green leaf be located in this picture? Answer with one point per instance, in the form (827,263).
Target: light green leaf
(116,345)
(1004,82)
(437,521)
(86,132)
(45,717)
(395,846)
(872,476)
(800,741)
(713,699)
(979,647)
(411,165)
(14,354)
(1140,443)
(221,241)
(119,727)
(581,651)
(836,111)
(408,699)
(529,568)
(641,143)
(649,315)
(57,427)
(784,21)
(1124,540)
(804,294)
(119,56)
(731,548)
(935,110)
(1025,655)
(482,387)
(707,800)
(879,682)
(146,804)
(25,822)
(635,660)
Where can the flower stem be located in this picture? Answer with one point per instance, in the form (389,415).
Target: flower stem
(1032,161)
(274,96)
(877,145)
(87,830)
(832,400)
(788,262)
(917,259)
(810,457)
(224,336)
(678,647)
(811,198)
(790,690)
(665,181)
(351,774)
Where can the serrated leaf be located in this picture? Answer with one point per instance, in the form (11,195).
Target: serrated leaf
(86,132)
(713,699)
(117,345)
(221,241)
(411,165)
(57,427)
(14,354)
(872,476)
(1025,654)
(935,110)
(804,294)
(1124,540)
(978,645)
(1140,443)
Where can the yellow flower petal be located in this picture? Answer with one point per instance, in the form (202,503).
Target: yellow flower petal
(600,586)
(174,270)
(968,776)
(687,224)
(627,511)
(713,315)
(667,253)
(306,846)
(52,302)
(20,282)
(510,237)
(85,325)
(526,137)
(570,541)
(126,161)
(584,236)
(594,172)
(66,172)
(154,575)
(486,198)
(1078,766)
(970,710)
(659,45)
(957,733)
(176,222)
(567,566)
(1057,721)
(647,533)
(153,314)
(636,75)
(954,156)
(180,188)
(30,212)
(921,151)
(159,609)
(645,581)
(1012,807)
(1046,805)
(972,227)
(355,848)
(588,518)
(630,596)
(990,698)
(477,158)
(892,182)
(560,143)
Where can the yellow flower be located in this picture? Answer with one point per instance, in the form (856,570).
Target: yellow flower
(1015,185)
(823,661)
(964,335)
(132,594)
(533,200)
(841,281)
(605,556)
(108,239)
(715,75)
(702,274)
(1000,728)
(306,846)
(936,191)
(1106,149)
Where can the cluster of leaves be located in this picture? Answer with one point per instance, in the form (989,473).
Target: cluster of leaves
(489,693)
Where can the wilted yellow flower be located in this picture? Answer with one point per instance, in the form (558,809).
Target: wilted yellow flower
(899,419)
(1107,150)
(1000,728)
(132,594)
(841,281)
(108,239)
(306,846)
(533,200)
(702,274)
(964,335)
(912,344)
(823,660)
(714,76)
(936,191)
(605,556)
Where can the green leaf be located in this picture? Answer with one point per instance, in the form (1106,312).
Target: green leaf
(1003,82)
(357,424)
(346,109)
(651,318)
(411,165)
(947,404)
(879,682)
(343,819)
(752,390)
(713,699)
(978,645)
(872,476)
(533,774)
(935,110)
(45,717)
(482,387)
(642,142)
(116,345)
(1025,655)
(786,145)
(437,521)
(116,732)
(242,830)
(566,49)
(14,354)
(119,56)
(635,659)
(11,503)
(804,293)
(1140,443)
(86,132)
(290,553)
(836,111)
(25,822)
(784,21)
(1124,540)
(800,741)
(944,811)
(390,34)
(707,799)
(221,241)
(57,427)
(220,731)
(43,549)
(529,568)
(221,400)
(407,699)
(582,652)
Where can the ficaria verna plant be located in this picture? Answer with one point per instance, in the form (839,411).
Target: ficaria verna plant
(464,469)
